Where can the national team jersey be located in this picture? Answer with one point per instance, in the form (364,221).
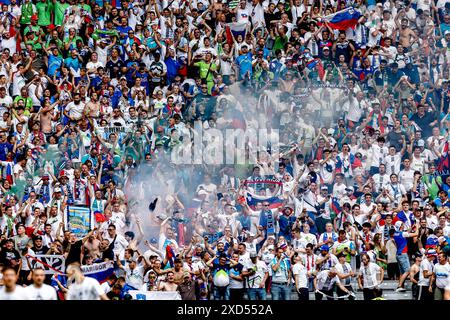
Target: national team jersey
(401,242)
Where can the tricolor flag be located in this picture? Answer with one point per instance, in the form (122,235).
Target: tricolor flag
(335,206)
(344,19)
(444,161)
(274,202)
(8,173)
(235,29)
(170,255)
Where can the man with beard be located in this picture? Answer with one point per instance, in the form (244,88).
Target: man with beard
(74,110)
(187,287)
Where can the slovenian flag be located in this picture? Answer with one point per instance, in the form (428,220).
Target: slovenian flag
(342,20)
(235,29)
(335,206)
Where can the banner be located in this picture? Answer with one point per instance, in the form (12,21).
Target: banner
(78,220)
(117,129)
(99,271)
(154,295)
(50,263)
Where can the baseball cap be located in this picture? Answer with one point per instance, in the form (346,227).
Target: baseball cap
(431,252)
(324,248)
(57,189)
(186,274)
(350,189)
(253,255)
(34,17)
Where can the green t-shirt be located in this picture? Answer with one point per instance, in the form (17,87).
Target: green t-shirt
(36,29)
(28,101)
(59,9)
(44,10)
(27,10)
(204,70)
(33,43)
(73,42)
(280,42)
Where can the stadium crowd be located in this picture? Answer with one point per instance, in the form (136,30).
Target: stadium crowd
(96,95)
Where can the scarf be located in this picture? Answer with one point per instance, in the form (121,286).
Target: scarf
(44,194)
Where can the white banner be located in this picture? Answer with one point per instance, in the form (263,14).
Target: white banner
(50,263)
(154,295)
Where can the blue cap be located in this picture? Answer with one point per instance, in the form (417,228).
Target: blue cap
(324,248)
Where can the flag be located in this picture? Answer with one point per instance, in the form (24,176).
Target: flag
(99,271)
(235,29)
(342,20)
(170,255)
(444,161)
(63,280)
(335,206)
(274,202)
(9,172)
(99,217)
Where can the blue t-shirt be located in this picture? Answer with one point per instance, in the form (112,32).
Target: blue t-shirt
(401,242)
(244,61)
(4,149)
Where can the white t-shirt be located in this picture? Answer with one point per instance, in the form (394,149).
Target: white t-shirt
(45,292)
(442,273)
(89,289)
(135,277)
(344,269)
(406,178)
(254,281)
(19,293)
(300,273)
(75,110)
(425,265)
(369,274)
(324,282)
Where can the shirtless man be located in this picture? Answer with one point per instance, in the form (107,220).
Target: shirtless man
(45,117)
(178,271)
(170,284)
(92,245)
(406,36)
(92,108)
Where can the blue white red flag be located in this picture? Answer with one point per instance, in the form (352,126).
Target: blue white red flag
(235,29)
(342,20)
